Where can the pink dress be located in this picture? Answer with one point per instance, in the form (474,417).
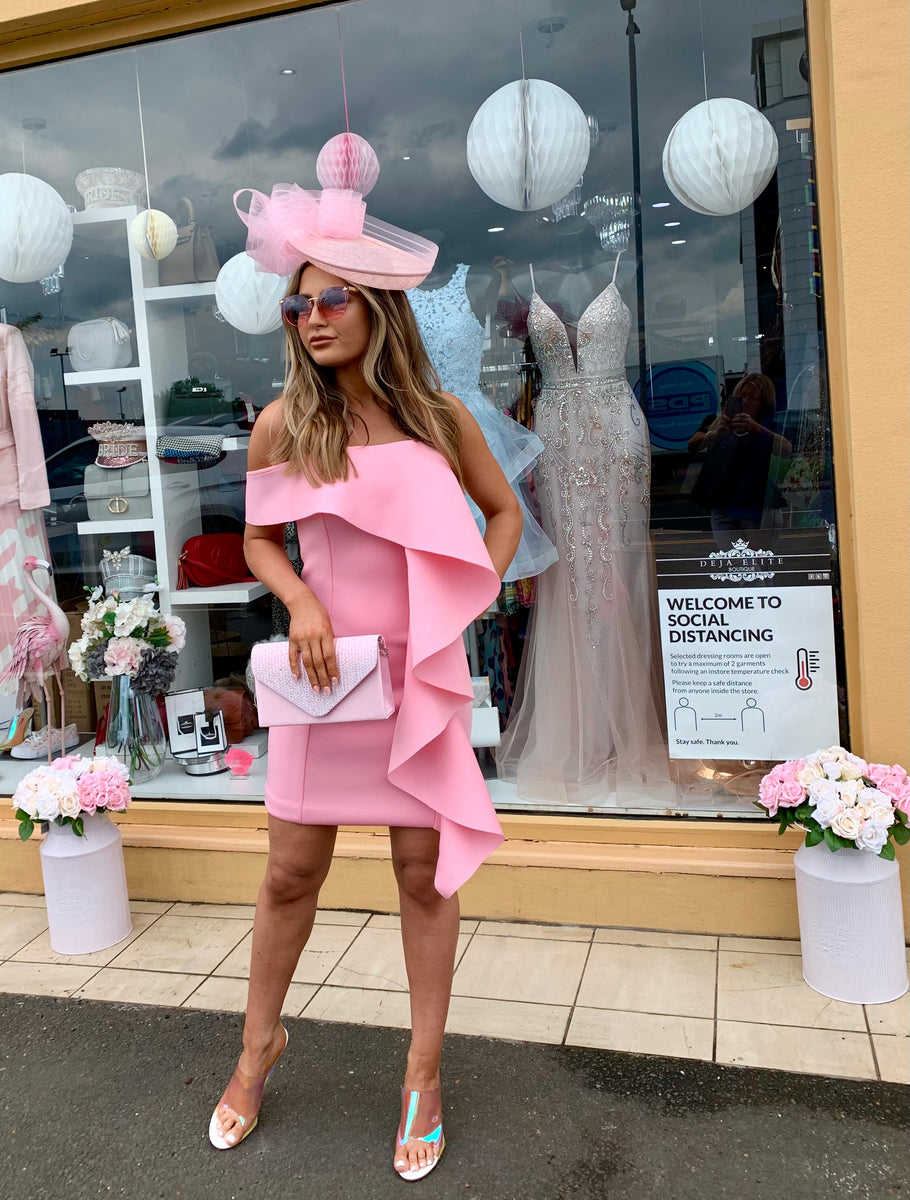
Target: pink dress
(392,550)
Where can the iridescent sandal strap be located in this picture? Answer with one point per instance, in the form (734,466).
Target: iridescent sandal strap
(431,1138)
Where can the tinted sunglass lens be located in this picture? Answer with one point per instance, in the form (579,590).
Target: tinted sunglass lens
(295,307)
(333,302)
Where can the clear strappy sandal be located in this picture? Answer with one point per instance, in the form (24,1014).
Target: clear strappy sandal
(435,1141)
(256,1082)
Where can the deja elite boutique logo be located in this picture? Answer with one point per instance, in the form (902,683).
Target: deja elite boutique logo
(740,564)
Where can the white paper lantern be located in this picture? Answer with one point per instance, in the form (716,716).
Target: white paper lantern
(248,298)
(36,228)
(528,144)
(153,233)
(720,156)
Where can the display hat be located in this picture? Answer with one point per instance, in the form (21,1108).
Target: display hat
(331,228)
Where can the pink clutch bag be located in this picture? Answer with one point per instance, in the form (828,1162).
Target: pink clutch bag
(363,691)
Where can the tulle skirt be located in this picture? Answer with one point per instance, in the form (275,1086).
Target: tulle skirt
(516,450)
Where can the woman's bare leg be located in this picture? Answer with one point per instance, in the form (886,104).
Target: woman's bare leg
(429,933)
(299,860)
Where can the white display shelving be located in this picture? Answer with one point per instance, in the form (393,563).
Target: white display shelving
(161,351)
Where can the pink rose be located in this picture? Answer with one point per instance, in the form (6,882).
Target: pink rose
(877,772)
(123,656)
(103,789)
(769,794)
(792,794)
(789,770)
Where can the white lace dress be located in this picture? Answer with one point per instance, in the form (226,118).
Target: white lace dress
(584,729)
(453,338)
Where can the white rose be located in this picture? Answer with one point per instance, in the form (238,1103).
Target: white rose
(827,810)
(824,791)
(24,798)
(850,770)
(882,814)
(834,754)
(847,824)
(831,768)
(69,805)
(810,774)
(872,836)
(48,805)
(850,790)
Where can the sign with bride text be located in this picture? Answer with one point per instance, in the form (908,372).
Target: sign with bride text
(747,636)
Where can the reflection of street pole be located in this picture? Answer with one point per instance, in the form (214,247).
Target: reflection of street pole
(632,29)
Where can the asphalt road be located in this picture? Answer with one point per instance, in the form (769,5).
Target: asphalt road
(104,1100)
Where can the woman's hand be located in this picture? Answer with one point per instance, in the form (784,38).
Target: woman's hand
(743,424)
(311,641)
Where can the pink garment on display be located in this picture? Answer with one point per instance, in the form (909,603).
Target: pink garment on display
(23,487)
(393,549)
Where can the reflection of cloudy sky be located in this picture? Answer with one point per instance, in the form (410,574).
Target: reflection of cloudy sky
(218,116)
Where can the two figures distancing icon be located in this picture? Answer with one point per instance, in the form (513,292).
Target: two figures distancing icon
(751,718)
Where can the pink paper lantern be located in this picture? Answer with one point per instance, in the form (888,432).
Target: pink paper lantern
(348,162)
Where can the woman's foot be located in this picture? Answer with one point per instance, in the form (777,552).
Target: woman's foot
(238,1110)
(420,1142)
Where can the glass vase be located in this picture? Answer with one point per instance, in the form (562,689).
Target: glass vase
(135,734)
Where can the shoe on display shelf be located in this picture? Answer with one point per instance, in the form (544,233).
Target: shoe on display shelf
(34,744)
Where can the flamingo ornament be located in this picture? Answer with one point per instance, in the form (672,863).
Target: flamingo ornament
(40,650)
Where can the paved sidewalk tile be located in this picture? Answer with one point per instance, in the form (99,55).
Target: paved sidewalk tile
(893,1017)
(192,945)
(893,1054)
(229,995)
(770,988)
(18,927)
(511,1019)
(656,937)
(326,946)
(43,979)
(528,969)
(655,979)
(375,960)
(642,1033)
(40,950)
(791,1048)
(170,988)
(360,1006)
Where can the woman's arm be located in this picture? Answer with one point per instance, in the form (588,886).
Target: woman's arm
(311,638)
(489,489)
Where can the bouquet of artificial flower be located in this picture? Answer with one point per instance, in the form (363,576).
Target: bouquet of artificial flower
(69,788)
(840,799)
(128,637)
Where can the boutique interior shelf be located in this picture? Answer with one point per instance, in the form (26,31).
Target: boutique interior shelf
(201,292)
(114,375)
(232,593)
(127,527)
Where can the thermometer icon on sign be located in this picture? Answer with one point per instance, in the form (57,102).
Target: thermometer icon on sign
(806,664)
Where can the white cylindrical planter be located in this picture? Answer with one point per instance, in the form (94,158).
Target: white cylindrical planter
(88,907)
(851,924)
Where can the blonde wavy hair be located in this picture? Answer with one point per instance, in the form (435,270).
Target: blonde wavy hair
(317,418)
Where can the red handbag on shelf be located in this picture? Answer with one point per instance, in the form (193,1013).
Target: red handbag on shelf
(212,559)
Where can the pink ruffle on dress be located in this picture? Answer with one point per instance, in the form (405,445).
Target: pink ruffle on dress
(392,550)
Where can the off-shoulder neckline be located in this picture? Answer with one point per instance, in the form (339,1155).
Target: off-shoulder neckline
(369,446)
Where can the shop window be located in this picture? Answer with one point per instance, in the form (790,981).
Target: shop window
(672,362)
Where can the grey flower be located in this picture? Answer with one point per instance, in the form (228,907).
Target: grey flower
(94,662)
(156,671)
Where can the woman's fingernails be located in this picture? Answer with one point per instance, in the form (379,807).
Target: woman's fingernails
(334,680)
(327,691)
(316,688)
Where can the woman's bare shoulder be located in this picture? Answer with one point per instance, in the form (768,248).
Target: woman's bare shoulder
(266,430)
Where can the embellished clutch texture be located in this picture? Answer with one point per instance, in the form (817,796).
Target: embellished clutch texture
(363,691)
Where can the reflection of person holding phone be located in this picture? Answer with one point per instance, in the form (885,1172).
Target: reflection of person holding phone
(735,481)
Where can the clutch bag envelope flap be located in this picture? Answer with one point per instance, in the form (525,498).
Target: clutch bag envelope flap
(363,691)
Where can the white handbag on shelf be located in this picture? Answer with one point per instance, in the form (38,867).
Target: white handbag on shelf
(99,345)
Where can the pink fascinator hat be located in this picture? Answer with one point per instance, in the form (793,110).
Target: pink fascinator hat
(331,228)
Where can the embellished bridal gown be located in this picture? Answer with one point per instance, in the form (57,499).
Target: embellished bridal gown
(453,338)
(584,726)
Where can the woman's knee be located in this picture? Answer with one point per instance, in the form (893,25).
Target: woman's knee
(289,882)
(416,880)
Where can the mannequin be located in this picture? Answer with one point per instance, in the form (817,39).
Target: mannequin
(451,317)
(584,728)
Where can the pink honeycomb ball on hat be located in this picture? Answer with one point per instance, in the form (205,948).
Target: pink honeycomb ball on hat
(348,161)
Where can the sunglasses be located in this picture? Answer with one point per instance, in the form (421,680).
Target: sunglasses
(332,304)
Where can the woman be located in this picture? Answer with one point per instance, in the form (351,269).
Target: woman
(736,481)
(370,459)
